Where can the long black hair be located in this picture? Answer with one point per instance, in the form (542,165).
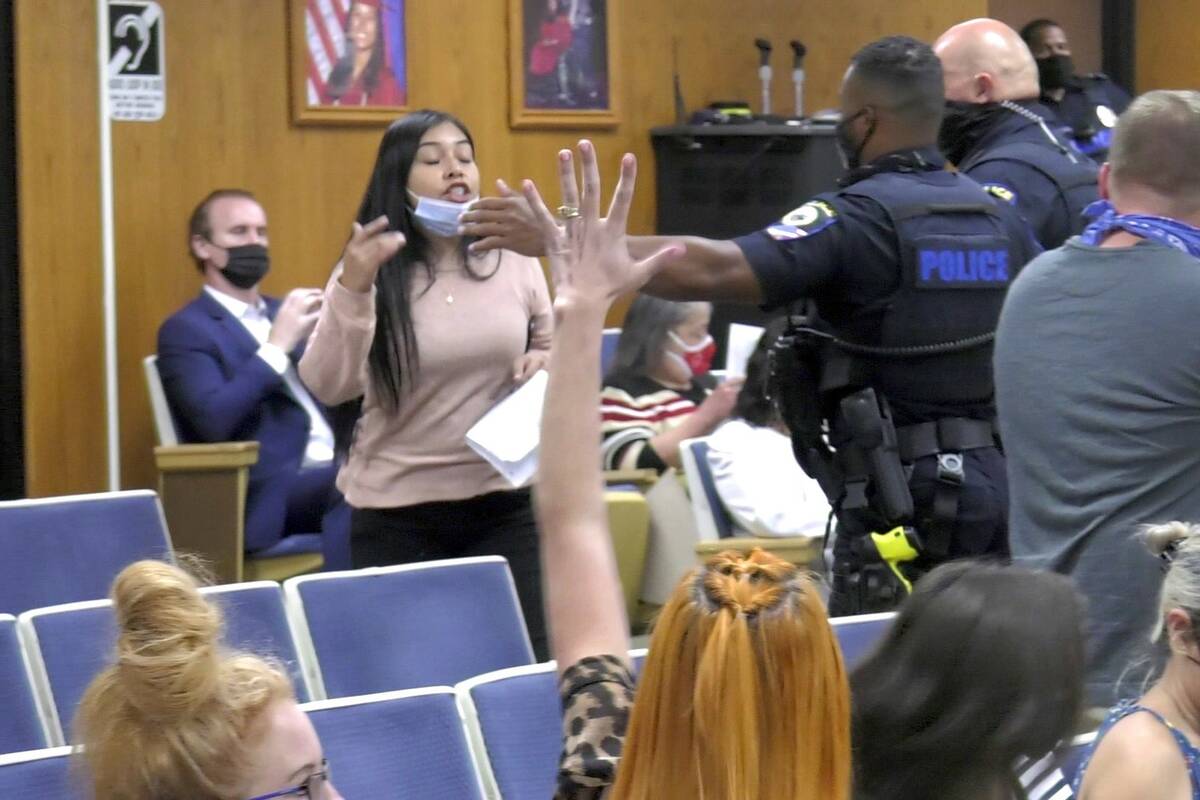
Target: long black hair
(342,73)
(984,664)
(753,403)
(395,357)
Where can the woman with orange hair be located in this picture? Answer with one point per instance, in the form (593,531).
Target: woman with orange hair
(744,695)
(176,716)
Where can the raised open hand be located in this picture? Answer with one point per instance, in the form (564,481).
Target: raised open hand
(588,255)
(370,246)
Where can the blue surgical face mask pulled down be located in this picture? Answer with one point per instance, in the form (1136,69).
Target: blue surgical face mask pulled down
(438,217)
(1165,230)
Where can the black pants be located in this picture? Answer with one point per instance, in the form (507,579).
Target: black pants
(496,524)
(980,531)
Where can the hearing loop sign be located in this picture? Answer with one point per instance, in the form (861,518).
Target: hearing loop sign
(137,84)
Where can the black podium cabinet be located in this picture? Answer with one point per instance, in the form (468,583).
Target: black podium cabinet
(722,181)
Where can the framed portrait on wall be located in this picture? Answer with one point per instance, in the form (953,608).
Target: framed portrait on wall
(562,63)
(348,60)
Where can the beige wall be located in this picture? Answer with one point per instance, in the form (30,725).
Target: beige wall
(1166,52)
(1080,20)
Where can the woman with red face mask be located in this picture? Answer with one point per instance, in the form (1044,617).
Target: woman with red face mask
(658,391)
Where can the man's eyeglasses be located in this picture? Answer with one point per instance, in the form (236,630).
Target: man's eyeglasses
(313,787)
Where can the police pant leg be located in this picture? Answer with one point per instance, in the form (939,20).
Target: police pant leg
(979,530)
(980,527)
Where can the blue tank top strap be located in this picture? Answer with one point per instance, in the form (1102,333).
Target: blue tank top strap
(1191,755)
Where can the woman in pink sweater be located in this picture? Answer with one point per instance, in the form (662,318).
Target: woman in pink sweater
(418,339)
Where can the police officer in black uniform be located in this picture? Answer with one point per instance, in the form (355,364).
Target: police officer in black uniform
(996,131)
(906,267)
(1086,105)
(905,259)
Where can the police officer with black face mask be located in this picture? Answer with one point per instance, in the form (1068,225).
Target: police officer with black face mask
(996,131)
(1087,105)
(885,378)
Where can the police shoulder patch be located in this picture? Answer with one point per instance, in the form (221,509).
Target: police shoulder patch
(812,217)
(1001,192)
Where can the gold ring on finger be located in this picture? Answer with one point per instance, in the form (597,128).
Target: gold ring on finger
(568,212)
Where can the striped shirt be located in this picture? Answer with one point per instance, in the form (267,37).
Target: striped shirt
(1043,779)
(635,409)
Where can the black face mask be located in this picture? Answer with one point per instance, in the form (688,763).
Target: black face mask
(247,265)
(1054,72)
(851,152)
(964,124)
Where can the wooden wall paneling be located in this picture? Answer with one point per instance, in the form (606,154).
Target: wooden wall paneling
(227,123)
(1166,53)
(59,204)
(1080,19)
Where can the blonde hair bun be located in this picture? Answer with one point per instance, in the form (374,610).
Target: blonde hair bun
(170,717)
(168,636)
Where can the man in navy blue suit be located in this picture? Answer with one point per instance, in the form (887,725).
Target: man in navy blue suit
(227,361)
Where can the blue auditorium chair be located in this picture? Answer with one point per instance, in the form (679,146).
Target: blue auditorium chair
(712,520)
(515,720)
(859,635)
(608,349)
(714,524)
(40,775)
(70,644)
(66,549)
(408,745)
(21,727)
(428,624)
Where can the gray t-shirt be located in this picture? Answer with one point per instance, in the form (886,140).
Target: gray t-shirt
(1097,363)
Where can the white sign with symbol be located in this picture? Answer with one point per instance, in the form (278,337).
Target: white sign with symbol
(137,84)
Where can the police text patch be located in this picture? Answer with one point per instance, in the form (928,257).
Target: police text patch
(812,217)
(952,268)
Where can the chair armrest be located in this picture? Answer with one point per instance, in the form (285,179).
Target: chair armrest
(203,491)
(629,527)
(641,478)
(205,457)
(804,551)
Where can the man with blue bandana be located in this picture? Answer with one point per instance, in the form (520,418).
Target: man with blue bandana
(1098,385)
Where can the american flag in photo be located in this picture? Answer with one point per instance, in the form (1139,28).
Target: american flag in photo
(325,36)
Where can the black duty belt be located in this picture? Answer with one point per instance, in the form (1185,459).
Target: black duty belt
(950,435)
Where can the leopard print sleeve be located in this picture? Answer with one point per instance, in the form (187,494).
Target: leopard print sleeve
(597,695)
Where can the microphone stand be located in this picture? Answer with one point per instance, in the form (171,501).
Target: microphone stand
(764,72)
(798,51)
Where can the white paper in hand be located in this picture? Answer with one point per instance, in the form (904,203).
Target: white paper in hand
(739,347)
(507,437)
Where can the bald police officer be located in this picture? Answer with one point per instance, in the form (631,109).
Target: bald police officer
(997,132)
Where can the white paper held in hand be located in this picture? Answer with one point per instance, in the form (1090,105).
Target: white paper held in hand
(507,436)
(739,347)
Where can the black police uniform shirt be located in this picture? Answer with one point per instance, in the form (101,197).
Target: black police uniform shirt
(1054,219)
(842,252)
(1088,112)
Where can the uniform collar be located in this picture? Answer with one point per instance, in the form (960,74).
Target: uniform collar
(967,130)
(921,159)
